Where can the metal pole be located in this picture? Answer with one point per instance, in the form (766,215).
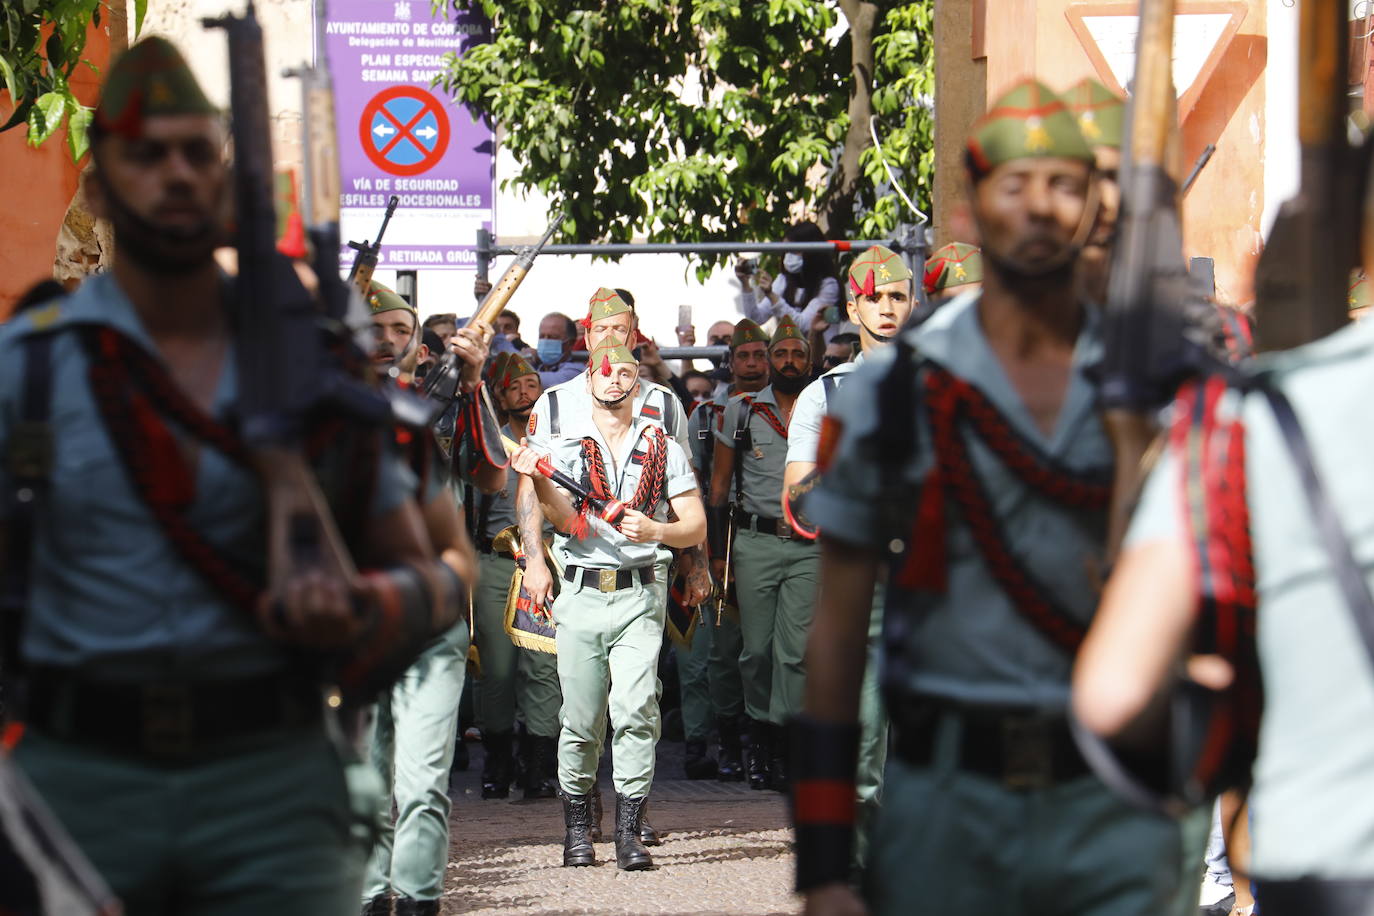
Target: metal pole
(698,247)
(484,253)
(713,353)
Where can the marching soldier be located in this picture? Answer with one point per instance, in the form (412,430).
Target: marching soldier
(172,722)
(973,450)
(1101,116)
(610,611)
(774,567)
(880,299)
(1253,520)
(952,270)
(713,662)
(511,676)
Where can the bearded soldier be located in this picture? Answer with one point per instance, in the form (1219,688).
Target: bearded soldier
(774,567)
(970,456)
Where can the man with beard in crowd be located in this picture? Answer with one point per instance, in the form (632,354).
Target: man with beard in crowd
(512,677)
(774,567)
(709,672)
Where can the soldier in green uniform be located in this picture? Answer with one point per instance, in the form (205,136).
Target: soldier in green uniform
(969,456)
(880,299)
(953,269)
(1226,532)
(1101,116)
(512,677)
(709,672)
(610,612)
(172,724)
(774,567)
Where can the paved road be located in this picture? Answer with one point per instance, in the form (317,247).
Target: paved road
(725,850)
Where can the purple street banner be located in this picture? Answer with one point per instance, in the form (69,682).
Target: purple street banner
(399,136)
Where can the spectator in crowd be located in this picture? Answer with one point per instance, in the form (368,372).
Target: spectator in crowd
(431,348)
(805,288)
(553,353)
(508,326)
(444,325)
(699,387)
(839,351)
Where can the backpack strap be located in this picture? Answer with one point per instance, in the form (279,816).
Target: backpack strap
(829,383)
(28,460)
(555,429)
(743,439)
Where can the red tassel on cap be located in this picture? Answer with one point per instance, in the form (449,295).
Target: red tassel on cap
(869,286)
(606,364)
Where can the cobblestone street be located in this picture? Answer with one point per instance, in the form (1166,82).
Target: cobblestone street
(725,850)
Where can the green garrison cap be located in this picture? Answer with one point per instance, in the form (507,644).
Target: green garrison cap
(747,332)
(1361,293)
(605,303)
(873,268)
(1029,121)
(786,330)
(381,299)
(149,79)
(1101,113)
(952,265)
(609,351)
(496,366)
(515,367)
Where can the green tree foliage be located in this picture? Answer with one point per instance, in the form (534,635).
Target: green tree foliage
(700,120)
(41,45)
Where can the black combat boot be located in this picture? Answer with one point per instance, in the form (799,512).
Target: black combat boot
(758,755)
(496,765)
(596,814)
(541,764)
(729,766)
(647,834)
(779,764)
(378,906)
(405,906)
(697,765)
(630,854)
(577,841)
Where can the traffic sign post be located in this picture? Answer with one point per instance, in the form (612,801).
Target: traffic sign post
(398,135)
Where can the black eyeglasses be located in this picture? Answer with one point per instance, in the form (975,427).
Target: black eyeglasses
(718,341)
(830,362)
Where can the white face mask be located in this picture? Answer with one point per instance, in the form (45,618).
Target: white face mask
(792,262)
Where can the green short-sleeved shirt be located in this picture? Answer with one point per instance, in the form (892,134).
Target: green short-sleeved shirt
(969,643)
(701,434)
(110,594)
(1313,813)
(762,463)
(605,547)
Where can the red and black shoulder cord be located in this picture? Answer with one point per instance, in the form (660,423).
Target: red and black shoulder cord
(653,479)
(1212,479)
(136,397)
(953,405)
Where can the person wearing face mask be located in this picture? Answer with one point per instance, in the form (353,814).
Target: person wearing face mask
(775,568)
(553,352)
(803,291)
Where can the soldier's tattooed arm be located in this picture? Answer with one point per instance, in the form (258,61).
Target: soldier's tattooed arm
(530,518)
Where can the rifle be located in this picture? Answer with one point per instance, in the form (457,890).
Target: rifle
(365,261)
(1146,351)
(285,376)
(442,381)
(1301,278)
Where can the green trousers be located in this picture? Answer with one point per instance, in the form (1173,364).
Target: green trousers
(694,683)
(412,750)
(872,737)
(951,843)
(608,645)
(512,678)
(775,580)
(272,829)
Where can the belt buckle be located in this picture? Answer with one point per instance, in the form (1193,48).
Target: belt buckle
(784,529)
(1027,753)
(606,580)
(167,719)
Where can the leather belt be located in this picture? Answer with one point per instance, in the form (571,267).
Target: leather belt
(609,580)
(778,527)
(167,719)
(484,545)
(1023,748)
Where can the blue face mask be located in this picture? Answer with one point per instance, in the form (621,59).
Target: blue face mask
(550,351)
